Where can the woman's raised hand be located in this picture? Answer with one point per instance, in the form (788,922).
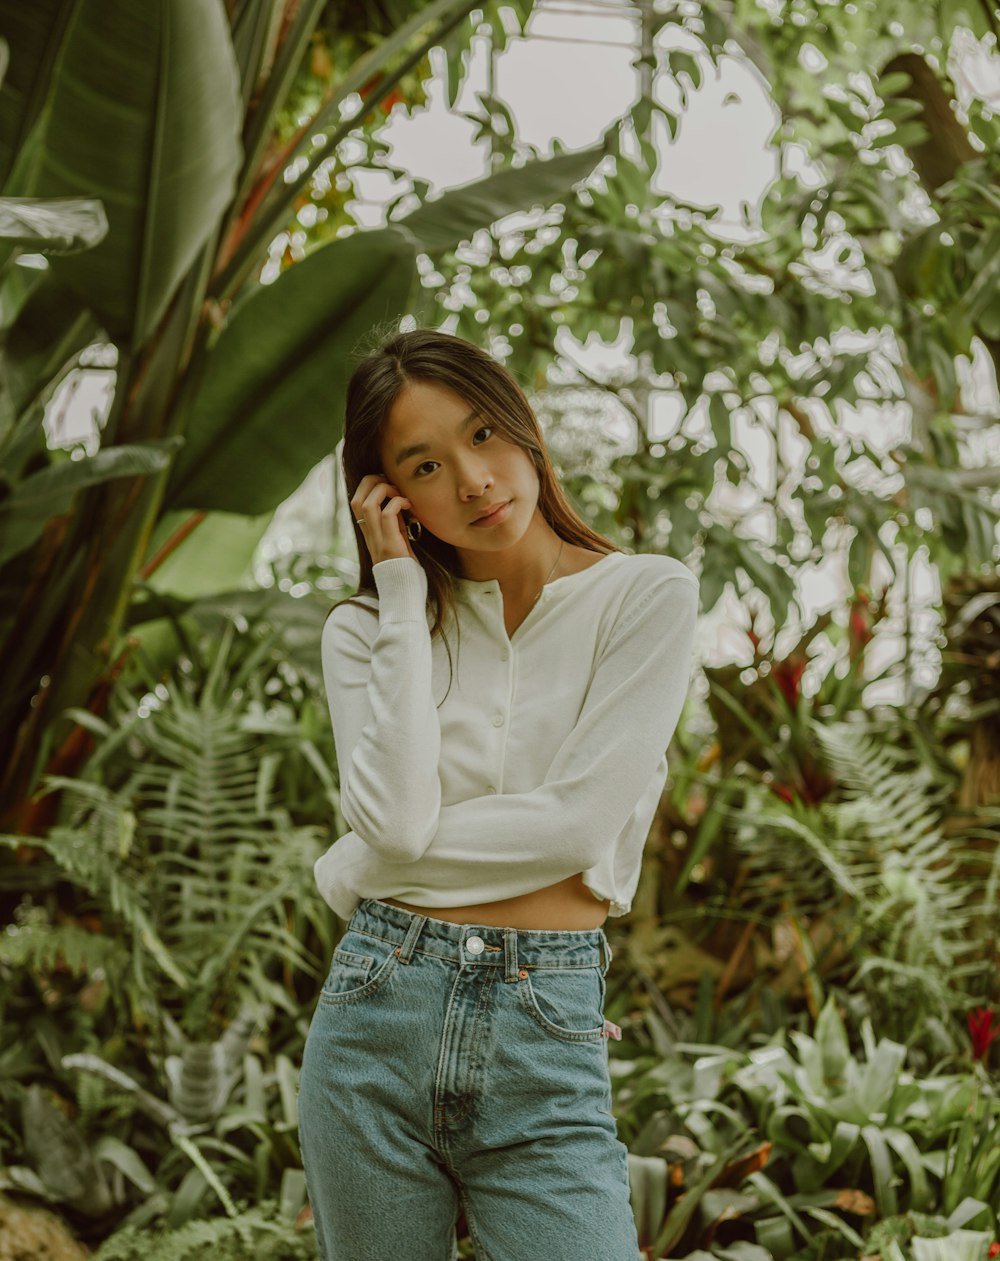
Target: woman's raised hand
(381,523)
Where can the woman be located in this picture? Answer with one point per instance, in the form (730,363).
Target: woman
(499,798)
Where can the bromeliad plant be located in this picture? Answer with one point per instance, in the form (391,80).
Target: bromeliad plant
(799,1146)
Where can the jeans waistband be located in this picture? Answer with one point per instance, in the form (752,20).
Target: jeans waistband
(482,945)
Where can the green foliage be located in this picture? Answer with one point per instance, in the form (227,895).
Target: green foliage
(185,851)
(790,1141)
(259,1233)
(873,855)
(185,855)
(765,349)
(208,375)
(161,920)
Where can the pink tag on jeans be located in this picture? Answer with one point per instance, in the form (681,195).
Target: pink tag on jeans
(611,1030)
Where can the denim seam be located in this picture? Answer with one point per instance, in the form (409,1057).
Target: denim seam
(440,1074)
(479,1028)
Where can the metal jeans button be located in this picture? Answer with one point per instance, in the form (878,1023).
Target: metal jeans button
(475,945)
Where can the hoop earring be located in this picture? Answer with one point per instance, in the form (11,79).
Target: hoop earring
(411,526)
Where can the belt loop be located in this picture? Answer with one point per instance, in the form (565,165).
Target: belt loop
(607,954)
(510,954)
(405,951)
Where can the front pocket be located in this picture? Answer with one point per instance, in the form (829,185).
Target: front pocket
(348,971)
(358,970)
(568,1003)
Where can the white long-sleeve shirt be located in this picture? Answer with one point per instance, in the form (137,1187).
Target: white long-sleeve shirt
(545,757)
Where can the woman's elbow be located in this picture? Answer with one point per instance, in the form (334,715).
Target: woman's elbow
(400,836)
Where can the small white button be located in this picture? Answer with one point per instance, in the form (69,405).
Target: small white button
(498,720)
(504,656)
(475,945)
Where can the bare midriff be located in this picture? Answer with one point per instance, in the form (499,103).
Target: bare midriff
(568,904)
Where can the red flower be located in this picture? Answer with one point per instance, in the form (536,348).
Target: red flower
(994,1250)
(788,675)
(982,1031)
(859,625)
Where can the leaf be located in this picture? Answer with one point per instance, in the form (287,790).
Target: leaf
(831,1037)
(271,401)
(742,1168)
(50,492)
(127,1160)
(59,226)
(147,1103)
(648,1180)
(771,1193)
(50,329)
(882,1173)
(904,1147)
(879,1078)
(458,213)
(34,31)
(960,1245)
(149,121)
(684,1209)
(61,1155)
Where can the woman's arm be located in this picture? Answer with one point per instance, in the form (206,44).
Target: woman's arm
(377,676)
(536,838)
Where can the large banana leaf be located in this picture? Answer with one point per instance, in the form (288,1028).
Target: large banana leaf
(458,213)
(216,556)
(270,404)
(50,491)
(142,110)
(280,363)
(32,33)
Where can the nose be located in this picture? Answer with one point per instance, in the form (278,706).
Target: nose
(474,479)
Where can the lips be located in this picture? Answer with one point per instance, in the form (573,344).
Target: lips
(490,511)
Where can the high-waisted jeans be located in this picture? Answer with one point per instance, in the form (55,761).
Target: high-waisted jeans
(463,1067)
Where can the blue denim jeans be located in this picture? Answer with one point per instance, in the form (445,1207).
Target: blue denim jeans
(463,1067)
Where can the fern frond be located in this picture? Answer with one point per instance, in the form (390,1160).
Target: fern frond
(879,851)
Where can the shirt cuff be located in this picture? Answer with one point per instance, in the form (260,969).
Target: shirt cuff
(402,590)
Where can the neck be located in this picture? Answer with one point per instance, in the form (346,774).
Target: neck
(523,570)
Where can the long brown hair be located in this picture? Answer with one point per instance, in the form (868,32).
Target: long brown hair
(424,354)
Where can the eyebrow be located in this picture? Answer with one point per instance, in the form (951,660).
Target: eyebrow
(420,447)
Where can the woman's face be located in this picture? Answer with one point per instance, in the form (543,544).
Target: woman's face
(464,466)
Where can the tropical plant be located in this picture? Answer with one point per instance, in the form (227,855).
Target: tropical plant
(183,853)
(167,922)
(904,927)
(172,122)
(268,1231)
(798,1149)
(810,353)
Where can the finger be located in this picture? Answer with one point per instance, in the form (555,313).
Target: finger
(364,488)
